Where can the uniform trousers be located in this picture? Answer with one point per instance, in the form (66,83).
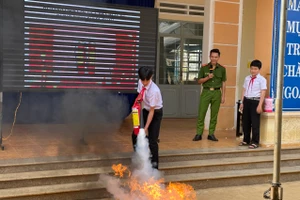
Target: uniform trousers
(153,134)
(251,121)
(212,98)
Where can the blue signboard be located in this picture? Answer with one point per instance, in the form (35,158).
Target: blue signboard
(291,88)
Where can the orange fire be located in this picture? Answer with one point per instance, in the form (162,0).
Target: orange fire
(153,189)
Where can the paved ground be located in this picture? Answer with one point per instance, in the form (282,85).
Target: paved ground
(48,140)
(291,191)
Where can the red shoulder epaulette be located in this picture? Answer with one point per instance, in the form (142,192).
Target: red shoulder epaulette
(204,64)
(221,65)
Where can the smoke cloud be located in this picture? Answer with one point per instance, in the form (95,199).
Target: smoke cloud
(141,160)
(143,172)
(145,182)
(98,110)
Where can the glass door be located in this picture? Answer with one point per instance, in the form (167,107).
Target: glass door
(170,60)
(179,59)
(192,55)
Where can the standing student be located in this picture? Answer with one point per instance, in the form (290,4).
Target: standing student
(253,96)
(152,111)
(212,76)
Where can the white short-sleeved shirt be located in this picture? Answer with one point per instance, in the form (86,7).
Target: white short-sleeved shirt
(254,88)
(152,95)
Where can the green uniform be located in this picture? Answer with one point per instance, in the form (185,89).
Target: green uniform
(212,95)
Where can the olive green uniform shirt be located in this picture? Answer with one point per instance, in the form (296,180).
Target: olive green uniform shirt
(219,76)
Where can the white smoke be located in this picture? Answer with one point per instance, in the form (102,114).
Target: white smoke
(142,171)
(113,186)
(141,160)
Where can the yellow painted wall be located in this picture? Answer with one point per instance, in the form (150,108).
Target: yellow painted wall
(180,17)
(248,38)
(263,35)
(226,38)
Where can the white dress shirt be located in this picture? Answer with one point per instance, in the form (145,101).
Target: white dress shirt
(152,95)
(253,88)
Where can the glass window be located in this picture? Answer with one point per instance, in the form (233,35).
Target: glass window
(192,62)
(169,27)
(193,66)
(169,57)
(194,29)
(193,57)
(179,55)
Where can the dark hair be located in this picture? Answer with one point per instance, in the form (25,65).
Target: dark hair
(256,63)
(215,51)
(145,73)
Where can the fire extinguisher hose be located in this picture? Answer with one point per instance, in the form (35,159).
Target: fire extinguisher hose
(141,119)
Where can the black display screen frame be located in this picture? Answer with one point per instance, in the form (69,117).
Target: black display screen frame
(11,77)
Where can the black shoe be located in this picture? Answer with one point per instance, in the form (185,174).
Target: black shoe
(197,137)
(212,138)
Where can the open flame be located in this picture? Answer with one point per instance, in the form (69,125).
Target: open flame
(153,189)
(144,182)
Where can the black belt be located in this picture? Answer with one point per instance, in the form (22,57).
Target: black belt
(155,110)
(208,88)
(253,98)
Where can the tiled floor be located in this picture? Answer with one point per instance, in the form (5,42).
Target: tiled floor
(61,140)
(45,140)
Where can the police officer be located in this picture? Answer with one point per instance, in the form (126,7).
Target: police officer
(212,76)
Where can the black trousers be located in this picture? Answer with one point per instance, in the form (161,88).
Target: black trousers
(153,134)
(251,121)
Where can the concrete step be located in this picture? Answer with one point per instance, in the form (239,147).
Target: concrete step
(76,178)
(51,177)
(71,191)
(73,175)
(95,190)
(56,163)
(234,177)
(224,164)
(206,154)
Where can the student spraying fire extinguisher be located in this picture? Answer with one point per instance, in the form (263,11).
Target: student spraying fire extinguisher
(151,111)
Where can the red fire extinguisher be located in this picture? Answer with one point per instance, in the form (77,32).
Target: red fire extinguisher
(136,111)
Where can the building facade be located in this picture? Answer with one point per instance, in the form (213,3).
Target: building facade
(241,29)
